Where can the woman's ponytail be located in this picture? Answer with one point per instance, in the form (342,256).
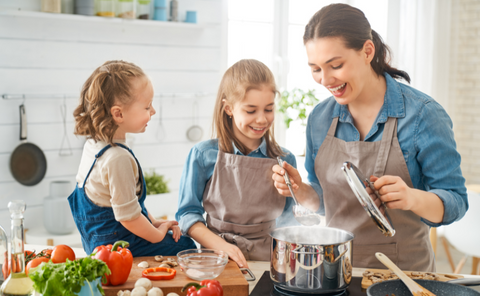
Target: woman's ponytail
(381,60)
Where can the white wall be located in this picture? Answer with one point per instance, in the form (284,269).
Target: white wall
(51,54)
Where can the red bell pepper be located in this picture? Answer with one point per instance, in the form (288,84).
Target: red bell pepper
(118,259)
(171,273)
(205,288)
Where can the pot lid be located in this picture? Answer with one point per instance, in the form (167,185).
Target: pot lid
(358,182)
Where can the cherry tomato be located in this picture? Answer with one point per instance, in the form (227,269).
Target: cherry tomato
(5,266)
(60,254)
(29,255)
(34,263)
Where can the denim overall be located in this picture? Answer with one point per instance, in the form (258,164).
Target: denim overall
(97,225)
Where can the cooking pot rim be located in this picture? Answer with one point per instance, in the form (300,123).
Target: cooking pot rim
(345,232)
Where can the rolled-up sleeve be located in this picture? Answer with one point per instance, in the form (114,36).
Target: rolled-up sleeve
(440,161)
(192,184)
(310,154)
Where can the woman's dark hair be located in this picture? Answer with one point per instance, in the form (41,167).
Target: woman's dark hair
(349,23)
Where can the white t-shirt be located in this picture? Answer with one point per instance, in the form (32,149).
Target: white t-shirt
(114,181)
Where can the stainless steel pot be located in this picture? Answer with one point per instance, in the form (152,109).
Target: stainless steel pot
(314,260)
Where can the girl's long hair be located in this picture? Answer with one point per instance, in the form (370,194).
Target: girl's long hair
(349,23)
(108,85)
(243,76)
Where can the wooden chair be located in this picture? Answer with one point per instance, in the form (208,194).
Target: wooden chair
(463,235)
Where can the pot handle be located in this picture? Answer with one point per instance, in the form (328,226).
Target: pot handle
(23,123)
(252,277)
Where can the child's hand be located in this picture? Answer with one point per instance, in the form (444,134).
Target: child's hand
(176,233)
(172,225)
(279,180)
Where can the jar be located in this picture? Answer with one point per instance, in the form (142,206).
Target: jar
(104,8)
(143,9)
(125,9)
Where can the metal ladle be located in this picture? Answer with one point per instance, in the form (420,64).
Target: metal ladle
(303,215)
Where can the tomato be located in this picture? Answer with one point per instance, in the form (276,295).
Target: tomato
(5,269)
(34,263)
(29,255)
(60,254)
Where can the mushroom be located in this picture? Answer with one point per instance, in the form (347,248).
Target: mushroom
(124,293)
(143,282)
(139,291)
(164,265)
(155,291)
(143,264)
(172,294)
(159,258)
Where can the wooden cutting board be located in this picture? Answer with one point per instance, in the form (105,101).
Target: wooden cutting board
(366,282)
(233,281)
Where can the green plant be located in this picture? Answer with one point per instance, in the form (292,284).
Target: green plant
(295,104)
(156,184)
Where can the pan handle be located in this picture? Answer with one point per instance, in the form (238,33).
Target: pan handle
(466,281)
(23,123)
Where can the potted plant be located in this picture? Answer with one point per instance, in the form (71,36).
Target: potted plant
(156,184)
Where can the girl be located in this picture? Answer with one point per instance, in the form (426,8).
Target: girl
(385,128)
(231,174)
(109,206)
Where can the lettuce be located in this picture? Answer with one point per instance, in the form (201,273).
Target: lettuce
(67,278)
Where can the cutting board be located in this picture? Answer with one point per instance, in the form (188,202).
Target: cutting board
(233,281)
(442,276)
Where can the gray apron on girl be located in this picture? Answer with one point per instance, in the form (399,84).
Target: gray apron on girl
(410,248)
(242,203)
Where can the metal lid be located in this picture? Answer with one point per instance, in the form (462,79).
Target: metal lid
(358,182)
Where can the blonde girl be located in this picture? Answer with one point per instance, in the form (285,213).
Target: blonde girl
(229,177)
(108,201)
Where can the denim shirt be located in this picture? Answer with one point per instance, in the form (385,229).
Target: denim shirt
(198,170)
(425,135)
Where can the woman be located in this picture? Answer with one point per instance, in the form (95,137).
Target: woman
(387,129)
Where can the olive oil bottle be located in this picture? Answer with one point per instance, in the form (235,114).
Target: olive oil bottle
(17,283)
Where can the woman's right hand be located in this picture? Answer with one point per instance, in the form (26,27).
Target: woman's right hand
(279,180)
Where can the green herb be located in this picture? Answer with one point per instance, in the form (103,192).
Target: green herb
(67,278)
(295,104)
(156,184)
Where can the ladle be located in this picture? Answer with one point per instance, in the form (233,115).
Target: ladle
(415,288)
(303,215)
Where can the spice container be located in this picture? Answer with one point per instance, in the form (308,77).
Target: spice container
(160,10)
(104,8)
(125,9)
(51,6)
(143,9)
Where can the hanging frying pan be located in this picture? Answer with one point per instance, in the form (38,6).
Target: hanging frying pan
(397,287)
(27,162)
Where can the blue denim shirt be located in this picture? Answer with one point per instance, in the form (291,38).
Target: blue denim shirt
(425,135)
(198,170)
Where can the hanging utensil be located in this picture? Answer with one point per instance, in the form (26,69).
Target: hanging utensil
(160,128)
(303,215)
(67,151)
(195,132)
(358,182)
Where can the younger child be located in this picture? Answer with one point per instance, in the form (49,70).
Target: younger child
(108,201)
(230,176)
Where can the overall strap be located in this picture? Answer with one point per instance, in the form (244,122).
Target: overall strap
(386,143)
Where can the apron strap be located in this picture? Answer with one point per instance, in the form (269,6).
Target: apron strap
(386,143)
(333,128)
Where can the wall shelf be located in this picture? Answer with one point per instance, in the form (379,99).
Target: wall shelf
(99,19)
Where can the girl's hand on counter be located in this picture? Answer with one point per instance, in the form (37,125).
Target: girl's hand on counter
(279,180)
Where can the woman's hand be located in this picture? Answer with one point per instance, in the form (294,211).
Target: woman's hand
(235,254)
(279,180)
(394,192)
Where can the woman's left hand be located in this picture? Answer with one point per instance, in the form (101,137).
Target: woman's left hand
(394,192)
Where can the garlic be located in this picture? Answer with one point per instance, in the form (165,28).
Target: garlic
(155,292)
(143,282)
(143,264)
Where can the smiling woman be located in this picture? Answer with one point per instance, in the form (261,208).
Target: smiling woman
(390,131)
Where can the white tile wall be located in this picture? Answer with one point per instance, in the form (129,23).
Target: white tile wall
(51,54)
(465,90)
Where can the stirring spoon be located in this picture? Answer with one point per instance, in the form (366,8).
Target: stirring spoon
(303,215)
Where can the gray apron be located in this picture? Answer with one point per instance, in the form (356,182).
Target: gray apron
(410,248)
(242,203)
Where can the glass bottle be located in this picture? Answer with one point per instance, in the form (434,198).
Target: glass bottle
(17,283)
(125,9)
(104,8)
(143,9)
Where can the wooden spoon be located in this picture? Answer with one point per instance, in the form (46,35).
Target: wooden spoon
(415,288)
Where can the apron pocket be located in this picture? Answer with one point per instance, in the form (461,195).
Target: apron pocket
(364,255)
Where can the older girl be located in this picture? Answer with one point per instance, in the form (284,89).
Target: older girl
(229,177)
(387,129)
(108,202)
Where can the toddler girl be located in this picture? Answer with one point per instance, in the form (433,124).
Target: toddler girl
(108,201)
(230,176)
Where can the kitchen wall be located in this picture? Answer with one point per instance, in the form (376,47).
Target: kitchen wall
(465,84)
(47,58)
